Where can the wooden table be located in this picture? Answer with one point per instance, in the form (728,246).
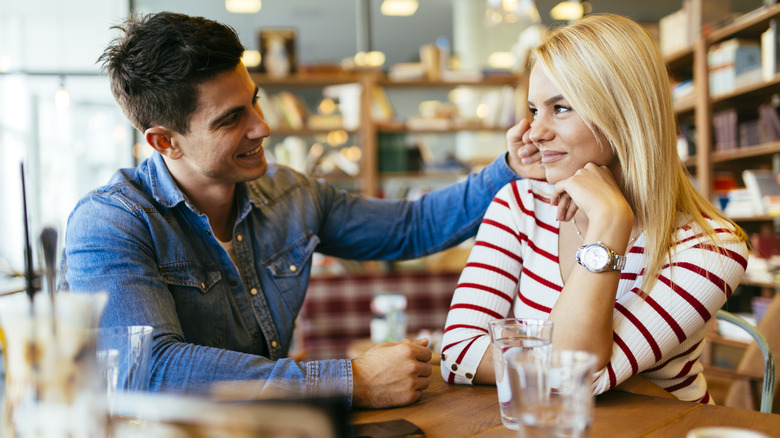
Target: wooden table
(472,411)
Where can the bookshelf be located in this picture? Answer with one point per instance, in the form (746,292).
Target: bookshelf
(699,110)
(367,133)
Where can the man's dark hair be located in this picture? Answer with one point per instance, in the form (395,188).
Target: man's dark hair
(156,67)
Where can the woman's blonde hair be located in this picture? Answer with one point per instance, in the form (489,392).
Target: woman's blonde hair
(612,73)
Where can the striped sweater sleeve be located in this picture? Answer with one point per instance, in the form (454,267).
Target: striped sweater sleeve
(661,333)
(486,287)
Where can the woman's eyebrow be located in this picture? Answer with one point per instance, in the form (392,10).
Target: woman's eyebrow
(549,101)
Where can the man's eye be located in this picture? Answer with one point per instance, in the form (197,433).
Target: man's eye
(230,120)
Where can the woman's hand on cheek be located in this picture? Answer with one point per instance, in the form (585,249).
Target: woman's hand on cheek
(591,189)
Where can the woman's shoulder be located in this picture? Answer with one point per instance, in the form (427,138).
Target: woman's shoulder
(692,234)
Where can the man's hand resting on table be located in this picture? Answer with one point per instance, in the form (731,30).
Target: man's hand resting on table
(391,374)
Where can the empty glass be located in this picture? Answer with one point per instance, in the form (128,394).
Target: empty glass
(509,337)
(553,395)
(51,389)
(124,359)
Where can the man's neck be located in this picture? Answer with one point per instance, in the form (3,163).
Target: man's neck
(216,200)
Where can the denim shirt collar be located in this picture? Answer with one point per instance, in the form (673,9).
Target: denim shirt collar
(165,190)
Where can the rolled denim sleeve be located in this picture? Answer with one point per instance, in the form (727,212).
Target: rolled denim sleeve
(378,229)
(109,248)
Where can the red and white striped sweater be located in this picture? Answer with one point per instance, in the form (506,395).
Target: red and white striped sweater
(513,270)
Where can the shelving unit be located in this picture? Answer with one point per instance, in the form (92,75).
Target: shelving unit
(368,182)
(692,63)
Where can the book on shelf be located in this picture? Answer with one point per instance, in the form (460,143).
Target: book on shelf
(381,108)
(733,63)
(769,48)
(764,190)
(724,124)
(678,30)
(768,114)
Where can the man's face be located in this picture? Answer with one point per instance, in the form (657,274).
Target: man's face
(224,144)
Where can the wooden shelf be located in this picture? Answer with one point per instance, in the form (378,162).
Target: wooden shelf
(747,93)
(306,131)
(723,340)
(392,129)
(487,81)
(745,152)
(304,79)
(681,60)
(749,25)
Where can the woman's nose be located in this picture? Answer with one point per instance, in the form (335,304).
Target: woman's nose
(539,131)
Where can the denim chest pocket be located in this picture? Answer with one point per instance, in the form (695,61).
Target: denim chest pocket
(291,261)
(200,301)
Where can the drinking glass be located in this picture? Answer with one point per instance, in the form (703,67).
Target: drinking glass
(509,337)
(49,352)
(124,359)
(554,395)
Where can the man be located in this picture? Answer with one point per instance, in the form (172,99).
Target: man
(213,248)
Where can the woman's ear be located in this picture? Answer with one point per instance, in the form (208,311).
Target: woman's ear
(161,140)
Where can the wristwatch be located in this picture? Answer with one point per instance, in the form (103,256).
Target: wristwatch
(596,257)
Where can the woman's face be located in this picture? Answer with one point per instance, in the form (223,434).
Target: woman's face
(563,138)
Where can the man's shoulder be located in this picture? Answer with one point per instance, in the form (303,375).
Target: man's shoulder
(125,187)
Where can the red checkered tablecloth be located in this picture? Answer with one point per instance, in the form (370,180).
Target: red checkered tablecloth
(337,310)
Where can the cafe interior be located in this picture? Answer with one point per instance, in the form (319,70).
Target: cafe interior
(380,98)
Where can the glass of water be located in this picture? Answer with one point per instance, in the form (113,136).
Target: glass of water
(509,337)
(554,395)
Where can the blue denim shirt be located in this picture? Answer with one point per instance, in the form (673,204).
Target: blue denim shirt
(139,239)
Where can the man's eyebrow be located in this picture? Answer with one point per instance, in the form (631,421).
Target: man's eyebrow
(549,101)
(218,121)
(235,110)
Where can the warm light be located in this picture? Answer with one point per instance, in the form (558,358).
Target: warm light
(482,110)
(62,98)
(369,59)
(337,137)
(509,5)
(251,58)
(501,60)
(327,106)
(399,7)
(569,10)
(243,6)
(351,153)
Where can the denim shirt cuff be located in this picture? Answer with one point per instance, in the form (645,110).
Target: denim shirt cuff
(330,378)
(499,173)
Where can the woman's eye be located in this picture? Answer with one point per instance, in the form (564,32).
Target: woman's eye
(533,112)
(562,108)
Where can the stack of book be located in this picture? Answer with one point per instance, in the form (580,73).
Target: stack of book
(733,63)
(678,30)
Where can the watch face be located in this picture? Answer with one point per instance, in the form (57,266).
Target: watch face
(595,257)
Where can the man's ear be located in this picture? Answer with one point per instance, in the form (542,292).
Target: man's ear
(161,139)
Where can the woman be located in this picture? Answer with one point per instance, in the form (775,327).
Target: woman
(616,246)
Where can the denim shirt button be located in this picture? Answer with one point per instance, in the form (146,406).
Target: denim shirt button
(240,238)
(233,283)
(208,232)
(253,291)
(293,268)
(274,344)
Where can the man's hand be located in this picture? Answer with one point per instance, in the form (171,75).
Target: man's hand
(391,374)
(524,157)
